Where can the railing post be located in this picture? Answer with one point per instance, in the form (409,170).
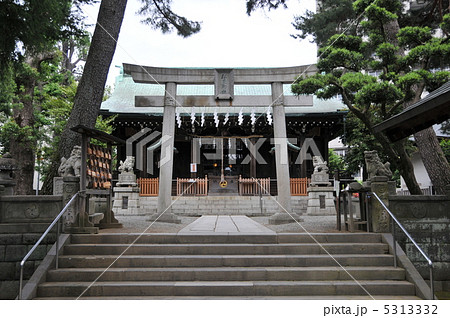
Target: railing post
(260,198)
(20,282)
(431,281)
(57,243)
(394,241)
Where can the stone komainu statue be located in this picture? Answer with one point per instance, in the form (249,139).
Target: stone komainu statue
(71,166)
(320,166)
(127,165)
(375,168)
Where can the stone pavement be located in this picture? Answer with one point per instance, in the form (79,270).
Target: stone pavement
(139,224)
(215,224)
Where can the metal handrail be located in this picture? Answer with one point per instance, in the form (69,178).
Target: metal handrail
(55,221)
(393,218)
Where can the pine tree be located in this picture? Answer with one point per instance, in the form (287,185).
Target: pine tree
(407,60)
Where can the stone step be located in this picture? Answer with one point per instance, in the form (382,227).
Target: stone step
(329,237)
(226,274)
(225,288)
(171,238)
(249,213)
(225,249)
(132,261)
(259,265)
(323,297)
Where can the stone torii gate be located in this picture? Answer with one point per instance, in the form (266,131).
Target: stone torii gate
(223,98)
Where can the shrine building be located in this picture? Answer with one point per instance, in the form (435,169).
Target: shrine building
(226,126)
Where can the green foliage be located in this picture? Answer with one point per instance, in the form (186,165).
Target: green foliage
(445,144)
(429,13)
(252,5)
(335,162)
(35,26)
(335,16)
(7,90)
(159,15)
(378,9)
(445,24)
(356,81)
(9,128)
(358,139)
(412,36)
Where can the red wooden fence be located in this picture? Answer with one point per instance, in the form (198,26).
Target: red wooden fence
(299,186)
(192,187)
(149,187)
(252,186)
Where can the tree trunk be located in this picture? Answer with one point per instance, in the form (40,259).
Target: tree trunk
(433,158)
(406,168)
(397,154)
(23,143)
(22,146)
(89,94)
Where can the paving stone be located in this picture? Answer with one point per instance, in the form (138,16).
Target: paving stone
(225,224)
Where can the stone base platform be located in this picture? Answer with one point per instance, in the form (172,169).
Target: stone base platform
(214,224)
(216,205)
(321,201)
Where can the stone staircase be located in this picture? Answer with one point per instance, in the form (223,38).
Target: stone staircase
(223,205)
(243,266)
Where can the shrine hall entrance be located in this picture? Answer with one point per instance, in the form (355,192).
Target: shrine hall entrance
(224,166)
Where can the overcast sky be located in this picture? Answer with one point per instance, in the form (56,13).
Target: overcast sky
(229,38)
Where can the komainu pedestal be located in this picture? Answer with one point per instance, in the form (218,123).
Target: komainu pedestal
(126,193)
(320,201)
(320,192)
(378,181)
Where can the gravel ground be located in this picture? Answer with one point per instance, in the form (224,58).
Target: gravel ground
(312,224)
(139,224)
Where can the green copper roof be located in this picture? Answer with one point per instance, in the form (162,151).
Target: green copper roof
(126,90)
(253,90)
(196,90)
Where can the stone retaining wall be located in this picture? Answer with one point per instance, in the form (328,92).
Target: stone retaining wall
(427,219)
(13,247)
(23,219)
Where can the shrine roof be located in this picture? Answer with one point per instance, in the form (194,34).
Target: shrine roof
(147,98)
